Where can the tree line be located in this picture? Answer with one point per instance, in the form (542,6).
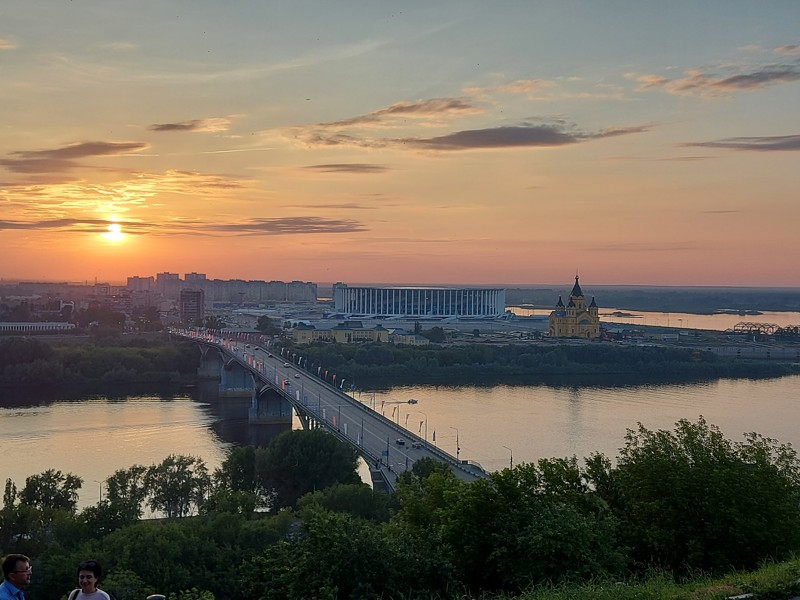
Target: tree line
(32,361)
(293,521)
(526,363)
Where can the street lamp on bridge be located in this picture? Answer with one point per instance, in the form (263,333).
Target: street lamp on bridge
(458,447)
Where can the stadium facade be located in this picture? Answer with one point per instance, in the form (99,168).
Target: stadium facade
(421,302)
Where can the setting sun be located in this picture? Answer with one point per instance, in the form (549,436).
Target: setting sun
(114,233)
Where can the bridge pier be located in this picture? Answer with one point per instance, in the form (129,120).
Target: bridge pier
(268,406)
(210,362)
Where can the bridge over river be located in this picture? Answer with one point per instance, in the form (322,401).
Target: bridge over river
(278,387)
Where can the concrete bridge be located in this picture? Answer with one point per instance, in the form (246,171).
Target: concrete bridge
(278,387)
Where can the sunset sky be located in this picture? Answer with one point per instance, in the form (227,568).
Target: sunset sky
(460,142)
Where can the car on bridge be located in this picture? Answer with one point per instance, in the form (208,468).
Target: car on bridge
(416,444)
(286,365)
(297,375)
(400,442)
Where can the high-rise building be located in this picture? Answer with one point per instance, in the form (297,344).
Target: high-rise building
(141,284)
(168,284)
(192,306)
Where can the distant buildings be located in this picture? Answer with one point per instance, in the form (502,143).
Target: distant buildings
(350,332)
(575,320)
(220,291)
(419,301)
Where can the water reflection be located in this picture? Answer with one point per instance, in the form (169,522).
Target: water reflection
(230,418)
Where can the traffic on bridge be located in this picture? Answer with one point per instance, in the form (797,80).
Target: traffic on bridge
(387,447)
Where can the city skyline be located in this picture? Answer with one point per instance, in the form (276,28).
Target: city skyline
(456,142)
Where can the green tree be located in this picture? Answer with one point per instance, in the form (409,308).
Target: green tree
(8,514)
(691,498)
(357,499)
(214,322)
(236,488)
(340,556)
(177,485)
(301,461)
(266,326)
(238,470)
(51,490)
(123,504)
(126,491)
(527,525)
(435,334)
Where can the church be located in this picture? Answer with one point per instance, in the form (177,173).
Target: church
(575,320)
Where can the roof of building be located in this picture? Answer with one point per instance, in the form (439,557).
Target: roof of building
(576,289)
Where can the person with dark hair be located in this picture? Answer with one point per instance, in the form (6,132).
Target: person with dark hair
(89,574)
(16,576)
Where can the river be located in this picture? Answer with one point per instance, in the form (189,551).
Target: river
(712,322)
(494,426)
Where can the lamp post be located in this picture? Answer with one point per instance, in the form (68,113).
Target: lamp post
(425,437)
(511,458)
(458,447)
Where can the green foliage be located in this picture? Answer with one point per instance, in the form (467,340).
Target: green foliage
(177,485)
(17,350)
(435,334)
(528,525)
(356,499)
(692,499)
(340,556)
(126,492)
(192,594)
(214,322)
(52,490)
(301,461)
(266,326)
(125,584)
(238,470)
(677,503)
(481,363)
(26,361)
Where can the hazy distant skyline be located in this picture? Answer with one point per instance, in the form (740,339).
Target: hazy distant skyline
(448,142)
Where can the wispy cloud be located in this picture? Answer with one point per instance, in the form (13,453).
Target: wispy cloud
(760,144)
(709,83)
(531,88)
(276,226)
(203,125)
(75,224)
(789,49)
(290,225)
(347,168)
(65,158)
(648,247)
(512,136)
(422,109)
(7,44)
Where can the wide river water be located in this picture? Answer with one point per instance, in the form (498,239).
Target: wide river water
(95,436)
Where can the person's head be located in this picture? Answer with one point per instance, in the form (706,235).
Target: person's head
(17,570)
(89,573)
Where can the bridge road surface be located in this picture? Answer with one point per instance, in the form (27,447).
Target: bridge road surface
(371,433)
